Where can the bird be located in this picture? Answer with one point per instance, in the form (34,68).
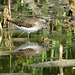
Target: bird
(30,25)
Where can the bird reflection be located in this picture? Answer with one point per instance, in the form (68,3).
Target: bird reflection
(30,49)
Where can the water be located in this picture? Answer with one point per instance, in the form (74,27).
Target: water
(41,53)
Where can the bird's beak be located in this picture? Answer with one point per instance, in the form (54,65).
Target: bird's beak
(46,30)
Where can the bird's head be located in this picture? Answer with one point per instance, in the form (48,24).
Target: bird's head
(46,27)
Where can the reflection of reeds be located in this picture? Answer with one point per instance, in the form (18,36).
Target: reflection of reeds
(60,52)
(69,41)
(61,70)
(7,38)
(52,50)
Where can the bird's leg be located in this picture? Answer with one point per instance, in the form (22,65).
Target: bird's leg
(21,34)
(28,36)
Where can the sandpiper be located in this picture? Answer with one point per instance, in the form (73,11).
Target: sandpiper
(30,25)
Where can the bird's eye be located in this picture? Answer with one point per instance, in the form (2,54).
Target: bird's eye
(45,28)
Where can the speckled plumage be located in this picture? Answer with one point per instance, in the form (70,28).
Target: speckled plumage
(29,25)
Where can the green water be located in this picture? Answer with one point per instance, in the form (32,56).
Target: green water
(13,59)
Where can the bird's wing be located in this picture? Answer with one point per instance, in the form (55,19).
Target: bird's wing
(23,23)
(28,23)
